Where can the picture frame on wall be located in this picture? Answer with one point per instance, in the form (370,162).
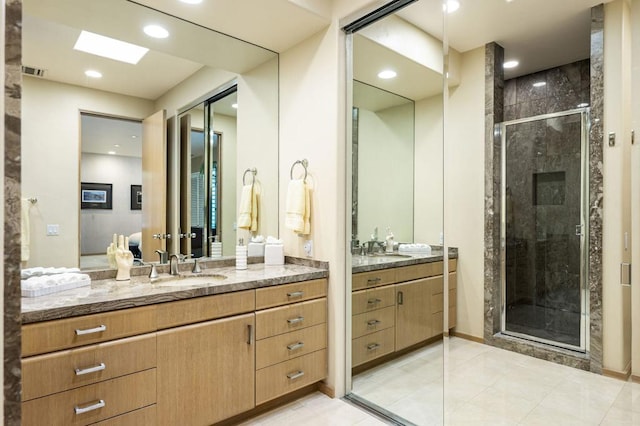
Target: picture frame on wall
(96,196)
(136,197)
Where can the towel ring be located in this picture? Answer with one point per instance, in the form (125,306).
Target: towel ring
(253,172)
(304,163)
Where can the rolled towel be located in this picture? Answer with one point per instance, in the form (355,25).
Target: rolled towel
(296,205)
(246,204)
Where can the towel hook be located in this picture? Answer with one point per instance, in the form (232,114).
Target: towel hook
(304,163)
(253,172)
(32,200)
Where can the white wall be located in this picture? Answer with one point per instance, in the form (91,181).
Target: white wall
(616,303)
(635,191)
(464,189)
(312,126)
(51,160)
(385,172)
(98,226)
(428,192)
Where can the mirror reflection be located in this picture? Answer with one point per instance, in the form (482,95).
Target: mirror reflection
(397,281)
(66,91)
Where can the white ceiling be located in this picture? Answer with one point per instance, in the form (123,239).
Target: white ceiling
(100,134)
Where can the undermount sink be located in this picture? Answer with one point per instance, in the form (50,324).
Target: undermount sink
(188,279)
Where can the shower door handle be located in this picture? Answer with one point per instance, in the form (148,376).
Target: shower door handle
(579,230)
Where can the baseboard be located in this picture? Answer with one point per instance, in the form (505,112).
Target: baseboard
(466,336)
(621,375)
(635,379)
(327,390)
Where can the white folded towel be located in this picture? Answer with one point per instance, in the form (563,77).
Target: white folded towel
(25,205)
(298,207)
(248,209)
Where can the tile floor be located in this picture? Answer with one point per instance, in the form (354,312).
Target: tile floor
(483,385)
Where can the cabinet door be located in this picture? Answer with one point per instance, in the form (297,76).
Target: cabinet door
(206,371)
(413,313)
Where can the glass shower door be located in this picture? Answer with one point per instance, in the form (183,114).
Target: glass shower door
(543,228)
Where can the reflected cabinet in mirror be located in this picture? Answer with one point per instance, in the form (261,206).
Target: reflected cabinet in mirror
(108,127)
(397,270)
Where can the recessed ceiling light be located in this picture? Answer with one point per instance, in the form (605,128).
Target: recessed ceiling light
(109,48)
(451,6)
(234,106)
(117,145)
(93,74)
(387,74)
(191,1)
(156,31)
(583,105)
(133,136)
(511,64)
(111,153)
(539,84)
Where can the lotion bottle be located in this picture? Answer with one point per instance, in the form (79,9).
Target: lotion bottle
(241,255)
(389,241)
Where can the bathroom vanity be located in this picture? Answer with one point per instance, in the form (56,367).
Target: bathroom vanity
(173,352)
(398,303)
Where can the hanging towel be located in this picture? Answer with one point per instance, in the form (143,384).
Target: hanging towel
(245,208)
(298,207)
(254,209)
(25,205)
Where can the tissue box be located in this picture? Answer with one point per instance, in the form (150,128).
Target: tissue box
(255,250)
(274,254)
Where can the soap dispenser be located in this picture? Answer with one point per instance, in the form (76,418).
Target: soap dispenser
(389,241)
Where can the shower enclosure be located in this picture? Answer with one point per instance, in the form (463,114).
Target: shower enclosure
(544,220)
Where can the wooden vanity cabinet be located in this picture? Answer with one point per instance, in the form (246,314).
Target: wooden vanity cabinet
(206,371)
(79,371)
(396,308)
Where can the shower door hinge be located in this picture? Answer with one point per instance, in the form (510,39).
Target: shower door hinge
(612,139)
(625,273)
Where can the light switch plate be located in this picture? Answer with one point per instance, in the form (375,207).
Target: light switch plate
(53,230)
(308,248)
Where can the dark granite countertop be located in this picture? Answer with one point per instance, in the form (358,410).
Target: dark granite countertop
(380,261)
(106,294)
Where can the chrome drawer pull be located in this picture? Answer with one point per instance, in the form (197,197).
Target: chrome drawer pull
(296,375)
(295,320)
(295,294)
(295,346)
(373,301)
(373,346)
(373,323)
(81,410)
(98,329)
(94,369)
(374,280)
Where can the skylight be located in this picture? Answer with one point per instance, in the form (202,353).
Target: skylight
(111,48)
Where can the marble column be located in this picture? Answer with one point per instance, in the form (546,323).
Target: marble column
(12,95)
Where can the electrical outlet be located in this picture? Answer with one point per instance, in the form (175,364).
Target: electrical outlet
(308,248)
(53,230)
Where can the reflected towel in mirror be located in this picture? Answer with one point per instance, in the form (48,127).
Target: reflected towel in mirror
(24,230)
(248,209)
(298,207)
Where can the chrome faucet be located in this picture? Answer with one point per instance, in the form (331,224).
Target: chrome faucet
(173,267)
(163,256)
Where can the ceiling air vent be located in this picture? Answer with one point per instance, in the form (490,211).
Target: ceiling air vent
(38,72)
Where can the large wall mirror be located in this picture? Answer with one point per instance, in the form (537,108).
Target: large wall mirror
(396,151)
(68,110)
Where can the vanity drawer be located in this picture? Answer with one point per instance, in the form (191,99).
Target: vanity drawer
(206,308)
(373,279)
(453,265)
(289,293)
(437,323)
(60,371)
(54,335)
(452,317)
(453,280)
(117,396)
(279,379)
(274,321)
(437,302)
(369,300)
(372,346)
(145,416)
(370,322)
(422,270)
(290,345)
